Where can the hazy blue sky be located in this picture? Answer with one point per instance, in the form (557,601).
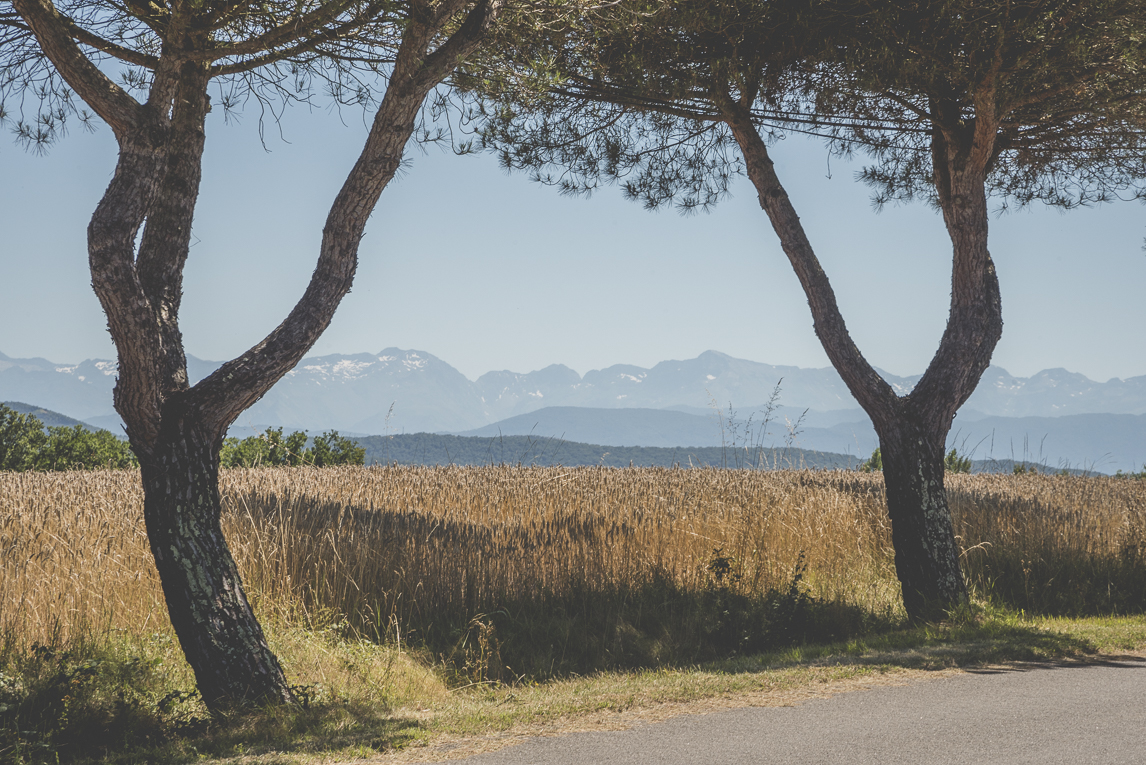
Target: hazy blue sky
(490,271)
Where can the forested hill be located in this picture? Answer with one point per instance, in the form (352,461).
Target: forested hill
(47,416)
(435,449)
(432,449)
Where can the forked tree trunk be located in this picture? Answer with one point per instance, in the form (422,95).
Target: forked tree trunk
(912,429)
(218,631)
(138,243)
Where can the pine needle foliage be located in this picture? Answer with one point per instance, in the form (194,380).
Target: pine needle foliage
(635,94)
(1060,79)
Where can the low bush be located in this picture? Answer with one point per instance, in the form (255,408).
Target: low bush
(25,444)
(272,449)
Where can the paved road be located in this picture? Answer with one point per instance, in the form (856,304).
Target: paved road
(1072,715)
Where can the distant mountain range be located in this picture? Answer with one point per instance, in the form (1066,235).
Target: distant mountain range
(1056,416)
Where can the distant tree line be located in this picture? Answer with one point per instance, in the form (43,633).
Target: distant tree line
(439,449)
(25,444)
(442,449)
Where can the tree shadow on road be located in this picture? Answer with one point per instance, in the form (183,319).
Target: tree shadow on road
(982,643)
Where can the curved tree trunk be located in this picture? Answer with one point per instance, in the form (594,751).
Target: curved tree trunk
(218,631)
(176,430)
(913,429)
(155,189)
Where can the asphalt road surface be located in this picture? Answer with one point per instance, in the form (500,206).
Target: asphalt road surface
(1047,715)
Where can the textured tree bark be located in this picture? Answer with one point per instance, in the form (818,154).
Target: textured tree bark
(926,552)
(218,631)
(912,429)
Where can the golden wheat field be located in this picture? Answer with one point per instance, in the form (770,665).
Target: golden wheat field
(388,547)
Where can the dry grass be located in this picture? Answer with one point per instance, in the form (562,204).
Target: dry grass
(75,556)
(1062,545)
(526,566)
(396,548)
(404,546)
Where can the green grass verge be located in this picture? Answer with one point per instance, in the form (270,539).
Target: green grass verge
(124,700)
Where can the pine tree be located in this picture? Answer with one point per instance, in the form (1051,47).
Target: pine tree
(956,101)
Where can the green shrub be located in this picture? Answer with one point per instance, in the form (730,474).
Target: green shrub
(268,449)
(21,439)
(26,445)
(63,705)
(954,463)
(333,449)
(77,448)
(272,449)
(957,463)
(874,463)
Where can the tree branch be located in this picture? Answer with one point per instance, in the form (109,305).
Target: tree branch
(871,390)
(92,40)
(111,248)
(292,29)
(166,239)
(461,43)
(119,110)
(308,44)
(223,395)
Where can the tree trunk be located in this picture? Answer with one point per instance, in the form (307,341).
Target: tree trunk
(912,429)
(926,553)
(218,631)
(177,431)
(154,190)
